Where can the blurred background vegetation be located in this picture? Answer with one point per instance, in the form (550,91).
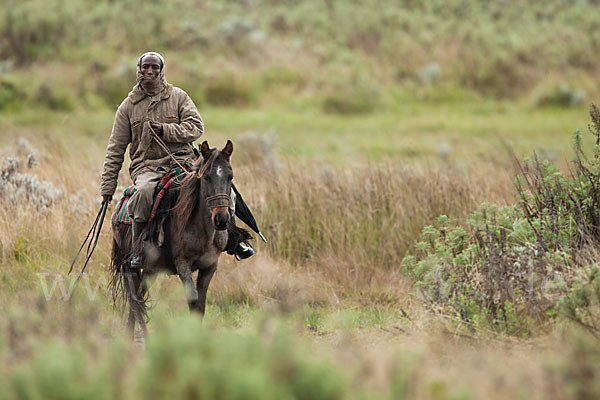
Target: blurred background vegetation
(377,142)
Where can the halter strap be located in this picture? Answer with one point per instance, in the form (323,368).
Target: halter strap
(218,200)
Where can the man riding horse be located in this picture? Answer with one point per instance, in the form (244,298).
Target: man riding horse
(153,107)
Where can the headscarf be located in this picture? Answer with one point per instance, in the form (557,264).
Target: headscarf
(151,85)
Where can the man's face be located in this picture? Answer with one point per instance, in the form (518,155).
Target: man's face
(150,65)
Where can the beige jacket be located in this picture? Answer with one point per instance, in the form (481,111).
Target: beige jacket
(181,123)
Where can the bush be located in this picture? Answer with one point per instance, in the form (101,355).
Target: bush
(228,91)
(114,85)
(10,94)
(356,99)
(511,264)
(491,274)
(282,76)
(33,29)
(18,188)
(560,96)
(55,99)
(183,359)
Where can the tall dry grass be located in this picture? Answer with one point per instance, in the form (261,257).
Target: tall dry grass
(355,225)
(352,227)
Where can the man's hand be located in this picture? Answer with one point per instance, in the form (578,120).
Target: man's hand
(107,198)
(157,128)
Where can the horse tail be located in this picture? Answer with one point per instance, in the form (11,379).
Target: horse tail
(117,284)
(124,280)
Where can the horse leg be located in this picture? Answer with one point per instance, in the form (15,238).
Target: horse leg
(202,282)
(137,307)
(131,322)
(145,284)
(185,274)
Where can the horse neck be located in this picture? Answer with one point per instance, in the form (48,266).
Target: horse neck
(194,213)
(202,214)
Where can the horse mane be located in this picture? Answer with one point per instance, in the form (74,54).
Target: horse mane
(189,193)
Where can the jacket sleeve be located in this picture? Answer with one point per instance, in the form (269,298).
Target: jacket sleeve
(191,126)
(120,137)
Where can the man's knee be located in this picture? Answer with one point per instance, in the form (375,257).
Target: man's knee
(141,201)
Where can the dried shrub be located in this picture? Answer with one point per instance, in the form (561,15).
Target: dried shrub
(257,151)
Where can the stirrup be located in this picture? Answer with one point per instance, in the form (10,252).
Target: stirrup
(135,262)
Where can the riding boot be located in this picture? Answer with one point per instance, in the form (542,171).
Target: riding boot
(237,244)
(136,243)
(241,251)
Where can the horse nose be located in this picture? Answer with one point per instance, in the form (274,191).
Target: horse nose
(221,220)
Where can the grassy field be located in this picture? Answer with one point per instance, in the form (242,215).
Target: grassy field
(378,144)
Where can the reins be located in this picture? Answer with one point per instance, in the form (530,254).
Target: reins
(166,149)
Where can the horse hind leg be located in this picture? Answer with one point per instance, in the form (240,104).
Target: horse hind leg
(144,287)
(136,290)
(131,323)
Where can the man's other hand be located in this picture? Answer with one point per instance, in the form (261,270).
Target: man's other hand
(158,128)
(107,198)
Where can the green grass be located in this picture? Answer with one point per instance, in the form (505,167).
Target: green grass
(415,132)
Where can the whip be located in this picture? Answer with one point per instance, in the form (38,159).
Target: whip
(94,233)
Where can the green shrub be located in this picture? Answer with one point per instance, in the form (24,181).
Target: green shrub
(509,265)
(352,99)
(282,76)
(61,371)
(10,94)
(582,304)
(33,29)
(560,96)
(183,359)
(57,99)
(492,48)
(576,369)
(228,91)
(114,84)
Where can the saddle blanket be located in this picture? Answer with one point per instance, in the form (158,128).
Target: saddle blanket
(160,191)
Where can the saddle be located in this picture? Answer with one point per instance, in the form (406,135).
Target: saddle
(159,194)
(164,199)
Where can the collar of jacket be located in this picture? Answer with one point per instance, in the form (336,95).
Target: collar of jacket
(136,95)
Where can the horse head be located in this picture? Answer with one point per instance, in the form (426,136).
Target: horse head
(215,174)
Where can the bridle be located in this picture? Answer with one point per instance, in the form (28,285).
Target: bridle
(216,201)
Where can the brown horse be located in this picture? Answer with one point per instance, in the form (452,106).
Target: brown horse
(195,234)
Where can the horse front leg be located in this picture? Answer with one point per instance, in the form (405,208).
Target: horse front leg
(202,282)
(185,274)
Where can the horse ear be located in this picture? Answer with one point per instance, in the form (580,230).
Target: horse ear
(228,149)
(205,150)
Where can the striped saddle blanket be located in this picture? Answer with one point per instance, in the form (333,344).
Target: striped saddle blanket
(160,191)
